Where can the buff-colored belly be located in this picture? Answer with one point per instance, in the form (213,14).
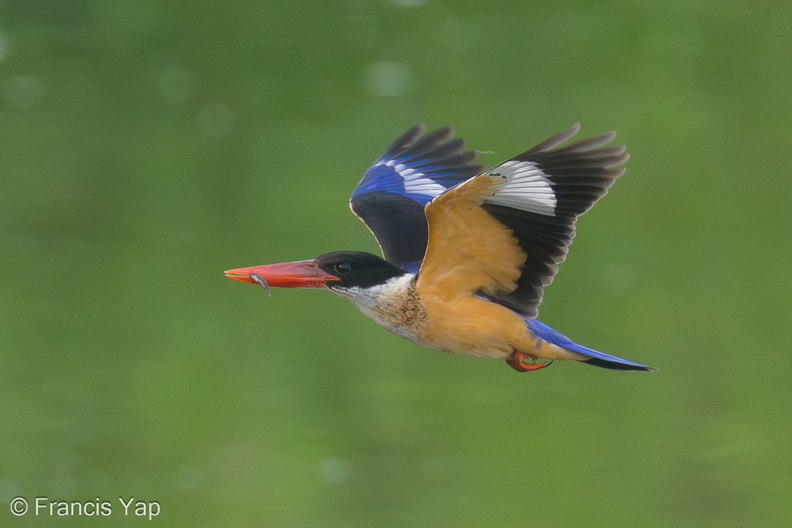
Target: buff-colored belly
(475,327)
(468,326)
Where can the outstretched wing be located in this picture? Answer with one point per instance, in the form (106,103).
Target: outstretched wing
(504,232)
(390,198)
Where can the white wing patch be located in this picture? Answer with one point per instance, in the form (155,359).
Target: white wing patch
(415,181)
(525,187)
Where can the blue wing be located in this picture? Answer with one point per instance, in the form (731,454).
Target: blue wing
(391,196)
(599,359)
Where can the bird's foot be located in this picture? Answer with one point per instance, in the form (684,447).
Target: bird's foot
(522,362)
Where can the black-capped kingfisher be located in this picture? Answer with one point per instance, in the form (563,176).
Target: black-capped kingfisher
(467,250)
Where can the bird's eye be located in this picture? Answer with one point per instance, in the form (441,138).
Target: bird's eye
(343,268)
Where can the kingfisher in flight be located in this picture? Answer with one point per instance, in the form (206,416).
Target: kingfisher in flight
(467,251)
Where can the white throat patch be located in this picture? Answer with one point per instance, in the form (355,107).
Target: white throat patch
(392,305)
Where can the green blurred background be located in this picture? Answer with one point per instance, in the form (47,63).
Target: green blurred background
(146,146)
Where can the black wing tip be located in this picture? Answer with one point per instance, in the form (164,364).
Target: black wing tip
(593,151)
(579,173)
(554,141)
(437,147)
(407,138)
(582,171)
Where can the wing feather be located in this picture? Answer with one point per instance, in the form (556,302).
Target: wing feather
(391,195)
(578,175)
(469,250)
(504,232)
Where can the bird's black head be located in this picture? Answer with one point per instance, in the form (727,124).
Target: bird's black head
(356,269)
(339,270)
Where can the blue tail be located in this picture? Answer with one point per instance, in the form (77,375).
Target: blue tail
(598,359)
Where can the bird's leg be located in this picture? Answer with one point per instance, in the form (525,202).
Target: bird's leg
(522,362)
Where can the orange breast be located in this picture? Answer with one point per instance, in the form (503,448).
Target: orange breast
(473,327)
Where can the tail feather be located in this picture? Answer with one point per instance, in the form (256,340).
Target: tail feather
(597,358)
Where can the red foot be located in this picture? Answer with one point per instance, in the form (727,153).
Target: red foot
(522,362)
